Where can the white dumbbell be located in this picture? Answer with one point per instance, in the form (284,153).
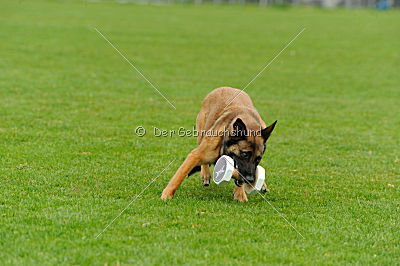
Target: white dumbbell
(225,167)
(223,170)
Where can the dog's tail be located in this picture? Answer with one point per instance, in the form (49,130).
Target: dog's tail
(195,170)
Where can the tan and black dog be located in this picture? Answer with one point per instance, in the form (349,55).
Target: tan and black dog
(225,110)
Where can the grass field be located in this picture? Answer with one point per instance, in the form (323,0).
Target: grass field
(71,162)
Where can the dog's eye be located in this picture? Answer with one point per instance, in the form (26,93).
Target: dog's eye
(245,154)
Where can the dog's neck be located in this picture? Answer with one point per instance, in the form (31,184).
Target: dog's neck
(250,117)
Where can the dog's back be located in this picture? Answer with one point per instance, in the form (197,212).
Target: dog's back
(226,96)
(219,101)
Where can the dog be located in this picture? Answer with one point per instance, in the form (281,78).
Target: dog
(244,138)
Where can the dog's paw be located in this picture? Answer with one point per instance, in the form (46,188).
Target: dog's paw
(205,175)
(264,188)
(206,180)
(240,197)
(239,194)
(167,194)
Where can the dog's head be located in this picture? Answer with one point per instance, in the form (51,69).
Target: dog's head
(246,147)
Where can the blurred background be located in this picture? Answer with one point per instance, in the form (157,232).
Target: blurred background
(379,4)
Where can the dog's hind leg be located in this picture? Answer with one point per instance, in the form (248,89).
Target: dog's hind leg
(205,174)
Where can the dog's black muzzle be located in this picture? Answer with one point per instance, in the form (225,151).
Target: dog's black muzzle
(249,179)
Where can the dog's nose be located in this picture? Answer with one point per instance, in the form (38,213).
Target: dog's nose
(249,179)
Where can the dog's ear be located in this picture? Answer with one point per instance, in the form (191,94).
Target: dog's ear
(239,130)
(266,132)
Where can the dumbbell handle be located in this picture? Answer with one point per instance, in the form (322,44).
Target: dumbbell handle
(236,175)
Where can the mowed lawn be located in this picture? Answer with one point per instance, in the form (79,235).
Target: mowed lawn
(70,161)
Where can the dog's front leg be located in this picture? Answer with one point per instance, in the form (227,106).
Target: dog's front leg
(264,188)
(193,159)
(239,194)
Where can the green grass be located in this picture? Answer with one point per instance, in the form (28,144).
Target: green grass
(70,160)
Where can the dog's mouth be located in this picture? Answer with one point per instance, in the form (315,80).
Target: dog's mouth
(249,179)
(240,178)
